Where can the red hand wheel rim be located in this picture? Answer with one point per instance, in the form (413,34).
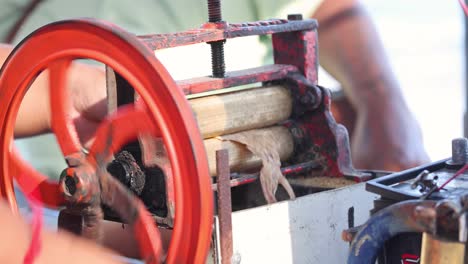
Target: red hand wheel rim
(53,47)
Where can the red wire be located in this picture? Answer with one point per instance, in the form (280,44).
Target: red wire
(463,5)
(36,223)
(458,173)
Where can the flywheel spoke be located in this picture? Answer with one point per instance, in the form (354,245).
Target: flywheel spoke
(62,122)
(119,128)
(34,184)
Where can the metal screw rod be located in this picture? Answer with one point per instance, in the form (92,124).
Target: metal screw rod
(217,47)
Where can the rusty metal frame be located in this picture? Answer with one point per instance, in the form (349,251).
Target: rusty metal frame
(224,205)
(211,32)
(296,65)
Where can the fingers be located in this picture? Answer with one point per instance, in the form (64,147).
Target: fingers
(86,130)
(88,90)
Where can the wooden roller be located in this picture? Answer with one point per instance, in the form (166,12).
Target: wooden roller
(240,158)
(228,113)
(250,112)
(240,111)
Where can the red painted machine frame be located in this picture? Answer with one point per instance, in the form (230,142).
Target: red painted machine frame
(321,145)
(295,46)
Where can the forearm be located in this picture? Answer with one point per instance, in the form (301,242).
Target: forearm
(386,136)
(86,86)
(33,115)
(351,51)
(55,248)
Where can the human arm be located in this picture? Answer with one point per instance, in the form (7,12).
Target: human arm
(386,134)
(55,248)
(86,85)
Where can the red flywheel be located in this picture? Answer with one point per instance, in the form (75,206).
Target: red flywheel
(166,114)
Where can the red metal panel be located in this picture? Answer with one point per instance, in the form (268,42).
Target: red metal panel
(236,78)
(210,32)
(299,48)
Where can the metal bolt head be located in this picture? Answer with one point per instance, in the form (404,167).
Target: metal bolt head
(459,151)
(68,183)
(295,17)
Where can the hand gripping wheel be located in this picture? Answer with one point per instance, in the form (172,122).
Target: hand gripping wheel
(165,113)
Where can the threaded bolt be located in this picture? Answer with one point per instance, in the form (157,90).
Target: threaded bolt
(214,11)
(295,17)
(217,59)
(217,47)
